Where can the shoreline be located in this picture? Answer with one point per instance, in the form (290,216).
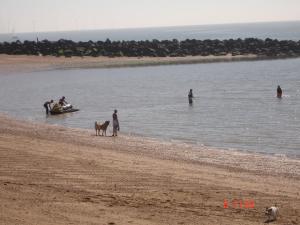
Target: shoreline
(200,145)
(172,141)
(18,64)
(51,174)
(23,63)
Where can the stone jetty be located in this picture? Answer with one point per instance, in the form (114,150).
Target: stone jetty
(268,48)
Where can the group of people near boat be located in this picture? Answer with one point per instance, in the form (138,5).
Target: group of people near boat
(50,105)
(63,105)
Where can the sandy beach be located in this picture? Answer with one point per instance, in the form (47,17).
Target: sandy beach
(199,102)
(23,63)
(55,175)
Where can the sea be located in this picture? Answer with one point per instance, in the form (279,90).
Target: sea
(235,105)
(276,30)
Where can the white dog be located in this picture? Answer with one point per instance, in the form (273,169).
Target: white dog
(272,213)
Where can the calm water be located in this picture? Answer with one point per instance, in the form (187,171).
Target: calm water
(279,30)
(235,105)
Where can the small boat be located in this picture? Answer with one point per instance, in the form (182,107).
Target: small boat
(57,109)
(63,111)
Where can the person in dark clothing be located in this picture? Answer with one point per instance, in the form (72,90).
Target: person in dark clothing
(191,96)
(116,126)
(47,106)
(279,92)
(62,101)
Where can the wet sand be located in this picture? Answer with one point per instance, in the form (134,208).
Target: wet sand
(22,63)
(56,175)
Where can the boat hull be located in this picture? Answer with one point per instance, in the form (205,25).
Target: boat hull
(64,111)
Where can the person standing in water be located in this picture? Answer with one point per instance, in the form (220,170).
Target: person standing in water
(191,96)
(279,92)
(116,126)
(47,106)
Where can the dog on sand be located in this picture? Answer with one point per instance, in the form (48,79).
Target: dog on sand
(272,213)
(99,127)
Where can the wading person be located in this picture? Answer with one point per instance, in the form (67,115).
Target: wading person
(116,126)
(279,92)
(191,96)
(47,106)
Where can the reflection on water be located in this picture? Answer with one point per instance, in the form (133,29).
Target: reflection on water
(234,105)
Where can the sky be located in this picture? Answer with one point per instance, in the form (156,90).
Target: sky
(18,16)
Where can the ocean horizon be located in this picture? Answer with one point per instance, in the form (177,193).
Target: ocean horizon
(286,30)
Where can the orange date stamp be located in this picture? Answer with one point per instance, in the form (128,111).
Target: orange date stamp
(239,204)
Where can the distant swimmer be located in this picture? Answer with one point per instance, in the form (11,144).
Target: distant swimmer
(279,92)
(191,96)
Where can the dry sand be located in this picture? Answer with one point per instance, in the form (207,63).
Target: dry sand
(23,63)
(57,175)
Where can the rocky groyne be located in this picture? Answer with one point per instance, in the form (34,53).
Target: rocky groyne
(155,48)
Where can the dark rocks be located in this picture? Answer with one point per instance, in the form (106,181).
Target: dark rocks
(155,48)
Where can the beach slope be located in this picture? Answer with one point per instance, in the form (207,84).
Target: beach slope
(56,175)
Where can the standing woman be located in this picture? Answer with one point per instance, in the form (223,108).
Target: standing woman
(116,126)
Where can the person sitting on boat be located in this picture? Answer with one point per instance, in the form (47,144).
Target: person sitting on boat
(279,92)
(191,96)
(47,106)
(62,101)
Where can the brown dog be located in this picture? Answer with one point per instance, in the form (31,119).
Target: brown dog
(99,127)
